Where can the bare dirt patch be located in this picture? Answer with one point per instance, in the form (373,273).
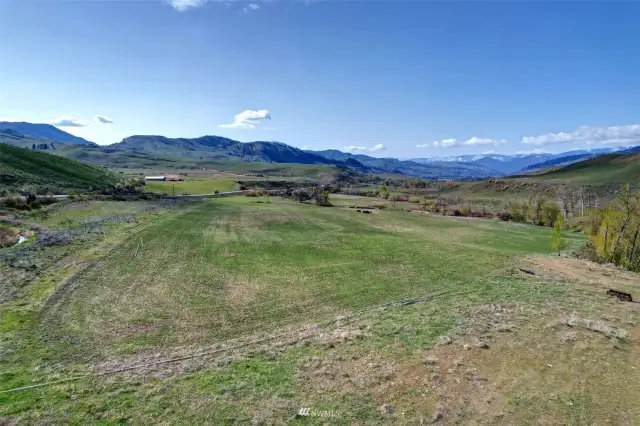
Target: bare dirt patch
(500,359)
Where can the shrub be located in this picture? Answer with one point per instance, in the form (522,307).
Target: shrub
(17,203)
(515,210)
(324,204)
(384,195)
(549,214)
(588,251)
(48,200)
(504,216)
(416,200)
(380,206)
(8,236)
(53,238)
(398,196)
(251,193)
(301,194)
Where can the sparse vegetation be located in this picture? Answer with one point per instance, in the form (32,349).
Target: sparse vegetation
(184,282)
(558,242)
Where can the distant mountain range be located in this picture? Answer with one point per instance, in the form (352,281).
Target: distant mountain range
(509,164)
(214,148)
(43,131)
(431,170)
(219,148)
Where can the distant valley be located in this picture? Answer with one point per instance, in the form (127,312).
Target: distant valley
(155,150)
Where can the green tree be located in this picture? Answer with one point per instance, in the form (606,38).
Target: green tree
(557,239)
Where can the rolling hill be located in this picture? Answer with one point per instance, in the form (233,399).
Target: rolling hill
(42,172)
(43,131)
(610,169)
(558,162)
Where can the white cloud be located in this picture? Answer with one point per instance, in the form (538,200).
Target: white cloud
(102,119)
(352,148)
(474,141)
(67,122)
(533,151)
(182,5)
(250,7)
(248,119)
(590,136)
(491,151)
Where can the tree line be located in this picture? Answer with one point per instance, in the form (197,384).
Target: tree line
(614,231)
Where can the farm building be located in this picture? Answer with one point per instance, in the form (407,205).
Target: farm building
(168,178)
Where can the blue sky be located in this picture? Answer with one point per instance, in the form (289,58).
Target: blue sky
(391,78)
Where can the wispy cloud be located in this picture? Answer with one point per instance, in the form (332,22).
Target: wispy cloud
(67,122)
(450,143)
(248,119)
(623,135)
(532,151)
(357,148)
(102,119)
(182,5)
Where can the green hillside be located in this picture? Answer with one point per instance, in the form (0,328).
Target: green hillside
(44,173)
(611,169)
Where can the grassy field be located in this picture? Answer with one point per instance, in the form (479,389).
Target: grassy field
(235,268)
(264,294)
(206,186)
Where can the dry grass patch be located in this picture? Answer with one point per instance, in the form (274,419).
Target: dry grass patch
(485,375)
(596,276)
(241,290)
